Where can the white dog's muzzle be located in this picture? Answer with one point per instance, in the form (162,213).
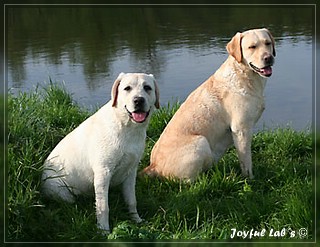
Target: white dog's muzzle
(138,116)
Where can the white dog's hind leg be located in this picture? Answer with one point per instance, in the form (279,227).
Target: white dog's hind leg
(55,186)
(129,194)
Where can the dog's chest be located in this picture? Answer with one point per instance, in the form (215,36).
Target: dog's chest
(246,103)
(128,162)
(130,153)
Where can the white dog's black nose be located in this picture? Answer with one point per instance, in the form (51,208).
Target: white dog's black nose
(139,102)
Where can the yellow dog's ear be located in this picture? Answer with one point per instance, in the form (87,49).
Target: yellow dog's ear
(234,47)
(114,91)
(273,42)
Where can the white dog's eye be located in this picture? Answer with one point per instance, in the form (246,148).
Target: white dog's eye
(252,47)
(268,43)
(147,88)
(127,88)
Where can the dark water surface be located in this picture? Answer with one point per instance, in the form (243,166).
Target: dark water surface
(87,47)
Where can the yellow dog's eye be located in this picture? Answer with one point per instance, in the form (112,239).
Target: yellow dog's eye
(252,47)
(268,43)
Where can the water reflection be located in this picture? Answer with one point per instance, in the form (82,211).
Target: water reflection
(94,37)
(88,46)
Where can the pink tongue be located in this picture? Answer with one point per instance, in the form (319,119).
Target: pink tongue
(139,116)
(266,71)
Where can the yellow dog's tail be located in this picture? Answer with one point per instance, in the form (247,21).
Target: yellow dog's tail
(149,171)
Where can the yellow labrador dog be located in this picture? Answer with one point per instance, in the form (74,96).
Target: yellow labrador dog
(105,149)
(221,111)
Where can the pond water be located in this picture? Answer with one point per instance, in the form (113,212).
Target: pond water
(87,47)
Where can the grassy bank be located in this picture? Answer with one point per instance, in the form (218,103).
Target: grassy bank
(280,196)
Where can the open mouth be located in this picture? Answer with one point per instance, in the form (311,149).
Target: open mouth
(265,71)
(138,116)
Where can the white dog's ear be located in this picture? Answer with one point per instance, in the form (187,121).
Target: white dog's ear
(234,47)
(157,103)
(114,91)
(273,42)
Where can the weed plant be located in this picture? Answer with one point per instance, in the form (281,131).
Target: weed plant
(280,196)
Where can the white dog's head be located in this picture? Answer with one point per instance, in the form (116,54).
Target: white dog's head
(135,95)
(254,48)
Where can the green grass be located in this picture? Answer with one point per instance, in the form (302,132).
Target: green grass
(280,196)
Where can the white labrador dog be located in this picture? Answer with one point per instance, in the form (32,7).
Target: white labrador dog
(222,111)
(105,149)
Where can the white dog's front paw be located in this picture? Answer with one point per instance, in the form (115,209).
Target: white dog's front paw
(104,232)
(104,228)
(136,218)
